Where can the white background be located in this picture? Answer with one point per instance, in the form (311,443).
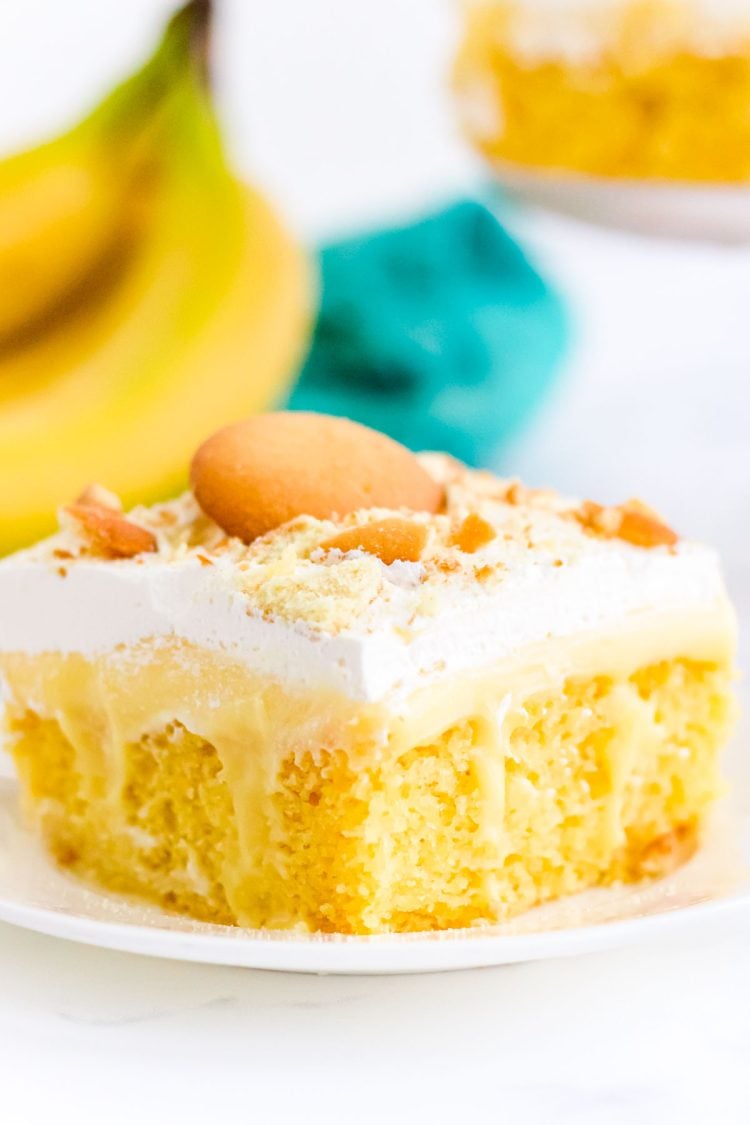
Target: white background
(339,108)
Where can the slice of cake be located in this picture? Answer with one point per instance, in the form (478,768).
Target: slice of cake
(644,89)
(343,688)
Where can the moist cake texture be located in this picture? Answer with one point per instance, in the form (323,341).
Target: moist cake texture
(384,721)
(644,89)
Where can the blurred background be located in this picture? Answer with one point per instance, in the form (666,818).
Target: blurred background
(341,112)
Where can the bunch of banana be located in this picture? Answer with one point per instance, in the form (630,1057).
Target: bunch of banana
(146,296)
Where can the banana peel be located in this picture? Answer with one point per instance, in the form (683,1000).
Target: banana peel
(146,295)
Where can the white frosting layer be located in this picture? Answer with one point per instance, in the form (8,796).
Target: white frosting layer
(578,30)
(100,605)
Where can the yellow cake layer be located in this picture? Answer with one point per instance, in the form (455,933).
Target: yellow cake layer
(172,773)
(644,108)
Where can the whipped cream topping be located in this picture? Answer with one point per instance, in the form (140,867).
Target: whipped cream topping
(579,30)
(98,607)
(322,619)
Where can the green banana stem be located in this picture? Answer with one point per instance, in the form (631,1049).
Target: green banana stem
(194,21)
(181,57)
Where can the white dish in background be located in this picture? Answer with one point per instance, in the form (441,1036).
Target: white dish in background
(37,896)
(702,212)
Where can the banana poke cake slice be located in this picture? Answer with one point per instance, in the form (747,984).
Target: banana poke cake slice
(644,89)
(343,688)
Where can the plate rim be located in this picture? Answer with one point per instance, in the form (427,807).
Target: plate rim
(695,211)
(364,955)
(576,178)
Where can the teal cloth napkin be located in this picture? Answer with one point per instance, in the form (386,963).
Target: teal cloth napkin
(440,333)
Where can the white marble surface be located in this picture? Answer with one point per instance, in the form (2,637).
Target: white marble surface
(655,400)
(649,1036)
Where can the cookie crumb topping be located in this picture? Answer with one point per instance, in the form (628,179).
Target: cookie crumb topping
(339,570)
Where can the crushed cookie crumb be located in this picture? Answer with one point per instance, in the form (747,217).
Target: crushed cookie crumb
(166,518)
(107,534)
(473,533)
(645,530)
(97,496)
(515,493)
(633,522)
(443,564)
(391,540)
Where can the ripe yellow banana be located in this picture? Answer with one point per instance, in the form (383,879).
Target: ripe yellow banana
(155,297)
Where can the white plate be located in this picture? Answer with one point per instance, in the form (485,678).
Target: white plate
(35,895)
(715,213)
